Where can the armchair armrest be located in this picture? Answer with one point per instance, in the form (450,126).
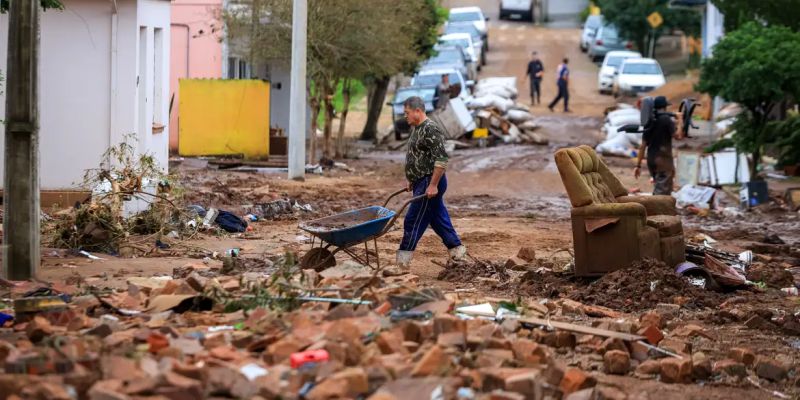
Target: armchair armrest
(655,205)
(611,210)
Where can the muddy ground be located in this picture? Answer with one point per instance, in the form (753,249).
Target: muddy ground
(501,199)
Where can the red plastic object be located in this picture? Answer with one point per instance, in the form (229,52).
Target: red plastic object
(297,360)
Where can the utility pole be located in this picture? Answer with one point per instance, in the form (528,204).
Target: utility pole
(21,181)
(297,92)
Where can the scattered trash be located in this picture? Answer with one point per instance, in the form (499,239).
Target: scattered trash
(253,371)
(89,256)
(480,310)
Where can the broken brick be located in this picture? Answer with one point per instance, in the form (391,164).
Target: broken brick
(652,334)
(613,344)
(676,370)
(447,323)
(730,367)
(452,339)
(649,367)
(391,342)
(434,362)
(676,346)
(529,352)
(701,366)
(574,380)
(743,355)
(651,318)
(516,264)
(504,395)
(38,328)
(617,362)
(348,383)
(772,370)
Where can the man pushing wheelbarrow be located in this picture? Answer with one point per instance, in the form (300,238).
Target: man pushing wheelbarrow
(425,164)
(426,161)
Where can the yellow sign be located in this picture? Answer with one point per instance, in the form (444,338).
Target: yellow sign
(222,117)
(480,133)
(655,19)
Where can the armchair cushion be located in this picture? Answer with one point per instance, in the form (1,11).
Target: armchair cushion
(612,210)
(655,205)
(586,178)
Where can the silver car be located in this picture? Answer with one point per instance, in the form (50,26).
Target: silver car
(607,39)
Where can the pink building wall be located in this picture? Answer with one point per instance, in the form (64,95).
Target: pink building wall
(196,49)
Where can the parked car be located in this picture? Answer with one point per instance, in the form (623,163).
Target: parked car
(449,57)
(638,75)
(477,40)
(590,27)
(427,93)
(612,61)
(521,7)
(465,41)
(607,39)
(433,76)
(473,15)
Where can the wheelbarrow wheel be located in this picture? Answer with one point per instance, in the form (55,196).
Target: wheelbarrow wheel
(317,259)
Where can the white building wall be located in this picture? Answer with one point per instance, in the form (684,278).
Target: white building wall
(88,102)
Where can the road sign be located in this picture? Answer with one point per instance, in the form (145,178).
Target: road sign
(655,19)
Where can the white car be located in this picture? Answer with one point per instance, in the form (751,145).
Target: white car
(524,8)
(473,15)
(612,61)
(433,76)
(465,41)
(638,75)
(590,27)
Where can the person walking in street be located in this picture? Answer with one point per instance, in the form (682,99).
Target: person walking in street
(443,93)
(563,86)
(657,143)
(426,161)
(535,73)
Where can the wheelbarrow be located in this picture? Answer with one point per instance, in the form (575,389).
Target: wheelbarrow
(346,231)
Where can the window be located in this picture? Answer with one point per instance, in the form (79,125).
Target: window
(465,16)
(232,68)
(238,68)
(158,77)
(641,69)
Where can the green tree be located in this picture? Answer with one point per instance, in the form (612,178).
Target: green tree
(422,26)
(630,17)
(758,67)
(46,4)
(772,12)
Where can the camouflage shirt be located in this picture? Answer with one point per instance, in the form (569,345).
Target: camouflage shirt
(425,151)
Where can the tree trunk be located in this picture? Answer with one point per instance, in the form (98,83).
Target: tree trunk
(315,106)
(343,118)
(328,87)
(374,108)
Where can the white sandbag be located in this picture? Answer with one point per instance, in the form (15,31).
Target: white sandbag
(490,101)
(521,107)
(723,127)
(518,116)
(501,91)
(513,135)
(729,111)
(618,145)
(508,81)
(529,125)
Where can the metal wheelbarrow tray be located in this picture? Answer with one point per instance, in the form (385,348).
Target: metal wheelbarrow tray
(346,230)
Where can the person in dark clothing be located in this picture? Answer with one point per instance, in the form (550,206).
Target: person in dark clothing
(443,93)
(563,87)
(657,144)
(535,73)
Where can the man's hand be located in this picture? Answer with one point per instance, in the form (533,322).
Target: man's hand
(432,191)
(637,172)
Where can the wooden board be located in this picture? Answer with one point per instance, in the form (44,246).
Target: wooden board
(582,329)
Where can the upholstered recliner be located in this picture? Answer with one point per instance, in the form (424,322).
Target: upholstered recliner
(611,229)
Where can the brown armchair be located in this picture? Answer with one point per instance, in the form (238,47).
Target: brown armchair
(611,229)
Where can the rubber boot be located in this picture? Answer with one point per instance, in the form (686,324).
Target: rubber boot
(458,253)
(404,259)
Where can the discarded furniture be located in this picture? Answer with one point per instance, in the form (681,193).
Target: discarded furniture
(611,229)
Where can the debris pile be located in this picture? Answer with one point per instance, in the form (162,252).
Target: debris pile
(493,103)
(471,268)
(644,285)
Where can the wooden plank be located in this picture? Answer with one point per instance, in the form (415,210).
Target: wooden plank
(581,329)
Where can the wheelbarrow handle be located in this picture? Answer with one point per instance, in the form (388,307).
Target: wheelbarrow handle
(393,196)
(400,211)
